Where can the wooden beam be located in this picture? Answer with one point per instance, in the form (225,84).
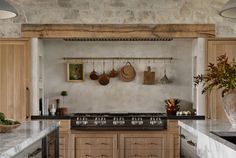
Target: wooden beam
(118,30)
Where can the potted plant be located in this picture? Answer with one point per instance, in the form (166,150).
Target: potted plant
(64,94)
(222,76)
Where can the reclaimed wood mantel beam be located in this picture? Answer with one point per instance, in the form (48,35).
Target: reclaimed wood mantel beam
(118,30)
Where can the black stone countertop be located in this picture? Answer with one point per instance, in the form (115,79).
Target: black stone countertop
(50,117)
(169,117)
(193,117)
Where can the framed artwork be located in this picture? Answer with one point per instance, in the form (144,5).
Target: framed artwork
(75,72)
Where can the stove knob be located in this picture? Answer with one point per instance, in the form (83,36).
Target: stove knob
(84,121)
(115,121)
(140,121)
(134,121)
(78,122)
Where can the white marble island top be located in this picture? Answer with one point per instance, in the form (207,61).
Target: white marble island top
(20,138)
(210,145)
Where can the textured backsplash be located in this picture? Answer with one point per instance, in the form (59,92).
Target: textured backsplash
(90,96)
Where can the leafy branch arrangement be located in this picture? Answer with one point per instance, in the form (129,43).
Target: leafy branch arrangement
(222,76)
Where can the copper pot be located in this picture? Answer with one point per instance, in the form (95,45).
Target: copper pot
(104,79)
(93,74)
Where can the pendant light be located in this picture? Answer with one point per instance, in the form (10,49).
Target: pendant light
(229,10)
(6,10)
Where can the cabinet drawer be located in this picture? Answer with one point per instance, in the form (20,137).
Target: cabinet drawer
(143,143)
(143,153)
(94,143)
(94,153)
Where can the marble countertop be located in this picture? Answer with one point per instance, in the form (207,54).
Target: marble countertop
(203,128)
(20,138)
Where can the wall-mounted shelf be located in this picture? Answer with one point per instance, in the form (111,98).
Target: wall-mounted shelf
(118,58)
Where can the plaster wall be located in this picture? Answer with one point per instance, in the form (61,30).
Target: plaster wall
(89,96)
(117,12)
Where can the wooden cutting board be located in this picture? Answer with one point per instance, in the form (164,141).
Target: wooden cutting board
(149,77)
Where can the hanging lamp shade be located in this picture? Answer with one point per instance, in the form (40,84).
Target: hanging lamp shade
(229,10)
(6,10)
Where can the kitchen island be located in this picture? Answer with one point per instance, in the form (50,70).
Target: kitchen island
(208,138)
(21,140)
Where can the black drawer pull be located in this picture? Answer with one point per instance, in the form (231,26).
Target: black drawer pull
(191,143)
(104,143)
(88,156)
(182,136)
(137,155)
(104,155)
(36,152)
(88,143)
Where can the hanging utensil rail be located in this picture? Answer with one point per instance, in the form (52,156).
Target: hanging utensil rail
(118,58)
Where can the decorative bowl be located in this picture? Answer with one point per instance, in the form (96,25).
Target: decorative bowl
(7,128)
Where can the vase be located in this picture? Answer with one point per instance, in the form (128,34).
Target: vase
(229,103)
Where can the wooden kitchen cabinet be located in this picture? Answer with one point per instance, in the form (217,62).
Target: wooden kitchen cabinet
(143,145)
(64,145)
(173,142)
(64,139)
(94,145)
(15,78)
(215,48)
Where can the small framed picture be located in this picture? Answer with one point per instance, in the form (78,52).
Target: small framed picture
(75,72)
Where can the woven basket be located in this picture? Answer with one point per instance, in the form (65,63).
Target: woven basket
(7,128)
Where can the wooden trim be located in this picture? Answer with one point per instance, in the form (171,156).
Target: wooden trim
(118,30)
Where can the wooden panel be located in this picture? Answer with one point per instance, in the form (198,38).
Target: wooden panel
(142,145)
(143,153)
(95,144)
(215,48)
(64,145)
(64,125)
(94,153)
(118,31)
(14,78)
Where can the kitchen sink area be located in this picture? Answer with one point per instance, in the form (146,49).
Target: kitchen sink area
(228,136)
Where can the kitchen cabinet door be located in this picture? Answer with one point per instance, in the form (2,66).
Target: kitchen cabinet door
(173,142)
(143,145)
(215,48)
(94,145)
(64,148)
(15,78)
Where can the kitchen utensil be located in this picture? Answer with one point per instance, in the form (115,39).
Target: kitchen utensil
(149,77)
(93,74)
(113,73)
(104,78)
(127,72)
(164,79)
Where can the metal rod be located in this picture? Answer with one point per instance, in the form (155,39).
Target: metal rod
(118,58)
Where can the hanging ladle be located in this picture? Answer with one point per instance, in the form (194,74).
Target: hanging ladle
(113,72)
(164,79)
